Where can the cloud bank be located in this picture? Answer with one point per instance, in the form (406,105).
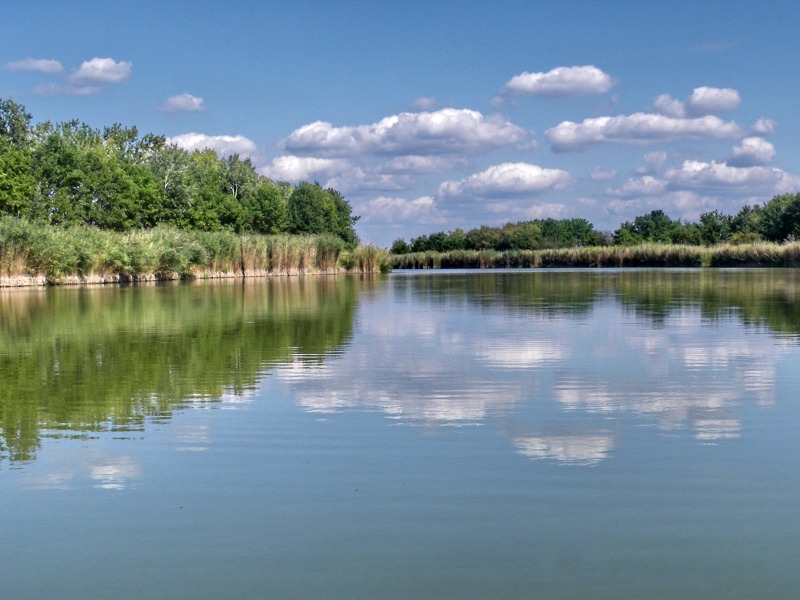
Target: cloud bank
(504,180)
(638,129)
(448,130)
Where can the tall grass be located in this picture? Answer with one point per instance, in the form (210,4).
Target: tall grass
(759,254)
(74,254)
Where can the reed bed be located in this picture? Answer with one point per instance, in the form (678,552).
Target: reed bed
(36,253)
(758,254)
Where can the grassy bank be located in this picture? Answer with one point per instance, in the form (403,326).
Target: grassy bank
(32,254)
(760,254)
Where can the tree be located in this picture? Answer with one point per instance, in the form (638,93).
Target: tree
(780,218)
(655,226)
(399,246)
(312,209)
(17,184)
(715,227)
(14,123)
(268,208)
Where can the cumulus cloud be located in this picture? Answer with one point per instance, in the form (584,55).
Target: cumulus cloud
(638,128)
(101,70)
(643,186)
(764,126)
(223,145)
(751,152)
(703,101)
(560,82)
(448,130)
(298,168)
(708,100)
(694,174)
(507,179)
(183,103)
(39,65)
(669,106)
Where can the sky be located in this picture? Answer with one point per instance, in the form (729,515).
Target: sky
(431,115)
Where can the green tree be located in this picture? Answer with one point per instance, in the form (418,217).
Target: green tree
(655,226)
(399,246)
(312,209)
(14,123)
(268,208)
(715,227)
(17,184)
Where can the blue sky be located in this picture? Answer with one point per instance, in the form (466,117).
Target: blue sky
(431,115)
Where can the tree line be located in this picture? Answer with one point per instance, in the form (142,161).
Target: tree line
(775,221)
(112,178)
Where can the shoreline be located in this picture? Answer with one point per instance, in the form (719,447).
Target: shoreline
(39,280)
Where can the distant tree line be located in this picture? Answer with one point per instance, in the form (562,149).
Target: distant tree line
(527,235)
(776,221)
(70,174)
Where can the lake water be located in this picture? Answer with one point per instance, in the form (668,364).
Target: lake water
(499,434)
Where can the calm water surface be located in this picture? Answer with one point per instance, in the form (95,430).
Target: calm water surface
(503,434)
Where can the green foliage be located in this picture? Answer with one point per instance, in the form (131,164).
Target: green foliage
(760,254)
(110,359)
(524,235)
(58,252)
(399,246)
(71,174)
(312,209)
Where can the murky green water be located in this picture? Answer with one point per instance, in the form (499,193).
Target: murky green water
(558,434)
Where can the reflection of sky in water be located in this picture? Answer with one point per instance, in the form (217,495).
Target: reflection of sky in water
(450,364)
(71,469)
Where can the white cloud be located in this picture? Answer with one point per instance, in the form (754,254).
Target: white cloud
(644,186)
(703,101)
(507,179)
(708,100)
(682,204)
(102,70)
(699,175)
(653,161)
(424,164)
(183,103)
(560,82)
(552,210)
(39,65)
(298,168)
(764,126)
(223,145)
(669,106)
(388,210)
(360,179)
(752,151)
(448,130)
(638,128)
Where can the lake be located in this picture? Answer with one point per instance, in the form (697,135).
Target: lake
(602,434)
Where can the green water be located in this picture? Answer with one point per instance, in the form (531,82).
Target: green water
(495,434)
